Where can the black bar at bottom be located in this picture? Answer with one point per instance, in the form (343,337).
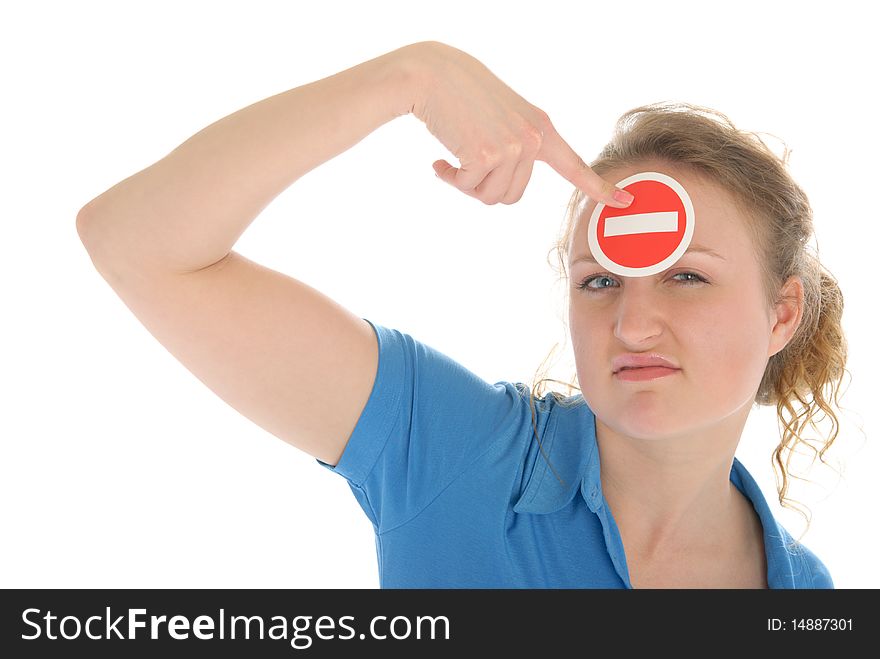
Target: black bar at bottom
(264,623)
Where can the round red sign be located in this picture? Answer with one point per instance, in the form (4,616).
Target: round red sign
(648,236)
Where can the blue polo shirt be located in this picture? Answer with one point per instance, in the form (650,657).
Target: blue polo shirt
(447,469)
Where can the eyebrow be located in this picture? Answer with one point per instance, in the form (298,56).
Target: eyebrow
(692,248)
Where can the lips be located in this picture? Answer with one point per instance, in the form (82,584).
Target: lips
(633,361)
(635,368)
(644,373)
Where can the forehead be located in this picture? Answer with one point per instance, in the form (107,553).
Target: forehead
(718,224)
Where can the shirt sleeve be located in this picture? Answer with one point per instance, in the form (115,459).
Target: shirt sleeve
(427,419)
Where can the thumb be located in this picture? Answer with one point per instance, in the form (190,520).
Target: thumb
(441,167)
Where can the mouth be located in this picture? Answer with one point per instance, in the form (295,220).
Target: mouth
(644,373)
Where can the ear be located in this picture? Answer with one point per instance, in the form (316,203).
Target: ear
(787,314)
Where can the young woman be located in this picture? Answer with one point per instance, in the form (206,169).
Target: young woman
(469,484)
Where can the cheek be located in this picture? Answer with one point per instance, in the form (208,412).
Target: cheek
(585,329)
(726,343)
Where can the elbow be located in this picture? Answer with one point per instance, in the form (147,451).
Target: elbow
(85,223)
(81,221)
(82,227)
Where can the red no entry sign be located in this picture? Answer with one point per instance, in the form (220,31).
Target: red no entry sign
(650,234)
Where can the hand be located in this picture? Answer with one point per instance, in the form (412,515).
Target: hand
(495,133)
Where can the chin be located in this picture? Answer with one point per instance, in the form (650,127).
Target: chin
(648,420)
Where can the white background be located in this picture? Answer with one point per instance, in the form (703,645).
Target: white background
(121,469)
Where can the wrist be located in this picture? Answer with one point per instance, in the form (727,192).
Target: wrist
(408,73)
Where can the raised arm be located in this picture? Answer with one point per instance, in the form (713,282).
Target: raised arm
(262,341)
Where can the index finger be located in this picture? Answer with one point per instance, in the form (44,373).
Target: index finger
(556,152)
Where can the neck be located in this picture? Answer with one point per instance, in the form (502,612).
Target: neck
(674,494)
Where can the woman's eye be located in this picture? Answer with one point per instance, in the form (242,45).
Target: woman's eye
(690,279)
(585,283)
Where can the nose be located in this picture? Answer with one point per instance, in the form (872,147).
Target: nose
(638,315)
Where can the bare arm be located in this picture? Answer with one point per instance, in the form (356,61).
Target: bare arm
(262,341)
(187,210)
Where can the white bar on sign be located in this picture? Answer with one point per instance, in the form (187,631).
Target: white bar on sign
(624,225)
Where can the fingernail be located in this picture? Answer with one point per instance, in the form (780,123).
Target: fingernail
(623,196)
